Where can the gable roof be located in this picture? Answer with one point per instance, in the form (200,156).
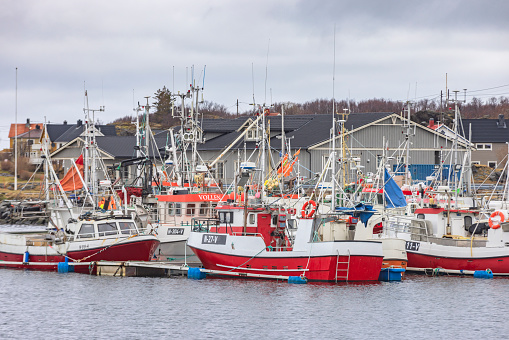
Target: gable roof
(56,130)
(76,130)
(319,131)
(22,128)
(486,130)
(305,130)
(36,133)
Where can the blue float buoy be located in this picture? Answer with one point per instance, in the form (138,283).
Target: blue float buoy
(483,274)
(391,274)
(64,267)
(195,274)
(26,257)
(297,279)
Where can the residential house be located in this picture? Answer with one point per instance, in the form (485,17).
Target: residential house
(490,137)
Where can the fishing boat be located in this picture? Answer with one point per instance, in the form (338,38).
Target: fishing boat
(256,238)
(263,248)
(81,230)
(90,238)
(454,240)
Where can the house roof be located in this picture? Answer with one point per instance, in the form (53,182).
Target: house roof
(56,130)
(305,130)
(76,130)
(123,146)
(487,130)
(22,128)
(35,133)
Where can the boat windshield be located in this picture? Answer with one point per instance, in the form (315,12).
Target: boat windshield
(86,231)
(108,228)
(127,228)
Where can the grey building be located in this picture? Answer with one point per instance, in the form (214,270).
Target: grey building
(361,142)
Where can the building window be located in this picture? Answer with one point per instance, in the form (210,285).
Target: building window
(219,171)
(325,159)
(378,161)
(476,162)
(252,134)
(203,209)
(484,146)
(492,164)
(190,209)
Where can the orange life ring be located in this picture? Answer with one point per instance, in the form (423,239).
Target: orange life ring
(495,224)
(312,212)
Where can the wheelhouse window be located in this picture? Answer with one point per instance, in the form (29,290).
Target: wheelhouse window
(86,231)
(467,220)
(109,228)
(420,216)
(178,209)
(127,228)
(171,209)
(226,217)
(252,218)
(190,209)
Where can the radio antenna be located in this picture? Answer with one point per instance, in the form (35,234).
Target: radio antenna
(266,72)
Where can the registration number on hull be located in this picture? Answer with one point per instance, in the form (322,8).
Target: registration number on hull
(412,245)
(213,239)
(175,231)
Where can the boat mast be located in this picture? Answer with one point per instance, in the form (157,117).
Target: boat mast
(263,155)
(333,134)
(16,135)
(90,146)
(407,156)
(455,147)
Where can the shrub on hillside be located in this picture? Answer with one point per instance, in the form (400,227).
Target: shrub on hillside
(7,165)
(25,175)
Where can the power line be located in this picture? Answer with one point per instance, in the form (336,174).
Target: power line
(491,88)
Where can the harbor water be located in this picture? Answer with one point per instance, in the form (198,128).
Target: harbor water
(42,305)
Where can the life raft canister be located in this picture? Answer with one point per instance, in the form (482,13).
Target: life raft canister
(312,212)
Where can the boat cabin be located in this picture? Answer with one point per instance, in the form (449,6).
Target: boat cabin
(104,228)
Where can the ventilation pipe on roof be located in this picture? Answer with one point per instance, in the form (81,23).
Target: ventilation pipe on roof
(501,121)
(79,123)
(65,122)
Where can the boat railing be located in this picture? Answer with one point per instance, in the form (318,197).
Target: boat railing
(418,229)
(241,233)
(204,224)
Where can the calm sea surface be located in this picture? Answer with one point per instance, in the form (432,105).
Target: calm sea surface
(39,305)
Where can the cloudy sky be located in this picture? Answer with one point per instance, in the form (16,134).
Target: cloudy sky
(124,50)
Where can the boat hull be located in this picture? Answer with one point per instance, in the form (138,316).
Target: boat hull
(458,259)
(46,258)
(318,261)
(314,268)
